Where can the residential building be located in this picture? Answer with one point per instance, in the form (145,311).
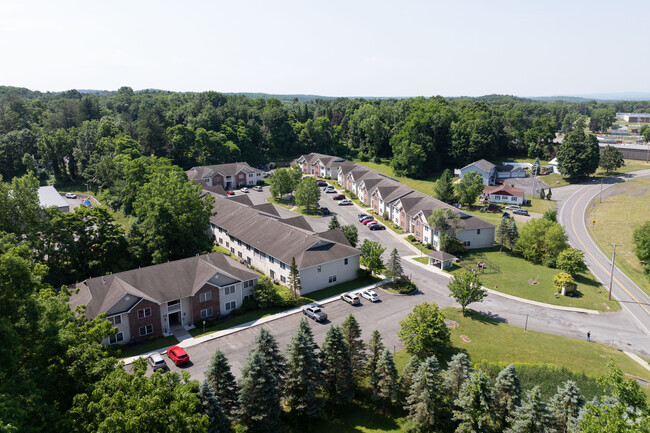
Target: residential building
(48,196)
(486,169)
(268,243)
(507,171)
(507,194)
(150,301)
(229,176)
(320,165)
(634,117)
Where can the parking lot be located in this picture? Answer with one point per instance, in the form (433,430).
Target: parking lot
(76,202)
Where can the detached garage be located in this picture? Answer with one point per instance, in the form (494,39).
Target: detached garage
(49,196)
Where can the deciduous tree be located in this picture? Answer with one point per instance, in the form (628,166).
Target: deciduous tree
(307,193)
(578,155)
(541,241)
(611,159)
(371,252)
(466,288)
(641,239)
(469,188)
(572,261)
(351,233)
(423,330)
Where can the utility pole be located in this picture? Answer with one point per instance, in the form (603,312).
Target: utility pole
(611,274)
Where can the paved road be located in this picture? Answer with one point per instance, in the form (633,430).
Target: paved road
(618,329)
(572,217)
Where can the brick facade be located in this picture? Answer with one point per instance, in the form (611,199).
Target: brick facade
(197,306)
(154,319)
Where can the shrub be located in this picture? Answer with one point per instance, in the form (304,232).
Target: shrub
(562,279)
(385,216)
(265,293)
(428,246)
(363,273)
(362,157)
(377,159)
(328,177)
(405,286)
(572,261)
(410,238)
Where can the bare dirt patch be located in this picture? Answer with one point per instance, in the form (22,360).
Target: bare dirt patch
(465,338)
(451,323)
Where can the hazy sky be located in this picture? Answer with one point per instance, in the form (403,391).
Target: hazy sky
(335,48)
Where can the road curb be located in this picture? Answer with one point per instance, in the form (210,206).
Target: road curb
(512,297)
(638,359)
(190,342)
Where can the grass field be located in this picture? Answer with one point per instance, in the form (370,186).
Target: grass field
(537,205)
(291,206)
(614,225)
(513,273)
(555,180)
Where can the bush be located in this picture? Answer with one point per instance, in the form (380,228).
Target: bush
(452,245)
(562,279)
(265,293)
(362,157)
(328,177)
(405,286)
(428,246)
(572,261)
(363,273)
(551,215)
(385,216)
(410,238)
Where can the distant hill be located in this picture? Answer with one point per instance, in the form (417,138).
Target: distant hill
(622,96)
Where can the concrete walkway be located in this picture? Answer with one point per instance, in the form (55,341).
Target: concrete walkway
(180,333)
(193,341)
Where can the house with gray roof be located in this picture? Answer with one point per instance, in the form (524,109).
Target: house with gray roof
(486,169)
(269,244)
(229,176)
(150,301)
(320,165)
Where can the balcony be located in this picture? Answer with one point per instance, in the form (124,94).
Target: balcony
(173,306)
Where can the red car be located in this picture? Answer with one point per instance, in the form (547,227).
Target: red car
(339,197)
(367,221)
(178,355)
(229,192)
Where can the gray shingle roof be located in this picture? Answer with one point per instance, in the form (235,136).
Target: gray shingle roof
(231,169)
(484,165)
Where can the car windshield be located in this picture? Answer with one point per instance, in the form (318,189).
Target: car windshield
(316,310)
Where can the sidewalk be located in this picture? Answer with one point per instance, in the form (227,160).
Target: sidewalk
(505,295)
(193,341)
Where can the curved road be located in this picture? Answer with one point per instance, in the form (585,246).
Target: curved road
(572,216)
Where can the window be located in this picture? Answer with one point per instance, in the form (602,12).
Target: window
(272,274)
(466,243)
(115,320)
(248,260)
(283,266)
(247,284)
(497,197)
(206,313)
(345,261)
(229,290)
(146,330)
(284,280)
(332,279)
(203,297)
(145,312)
(271,259)
(227,244)
(232,250)
(240,254)
(238,242)
(221,240)
(231,305)
(248,247)
(250,174)
(478,231)
(513,198)
(218,179)
(417,223)
(247,297)
(116,339)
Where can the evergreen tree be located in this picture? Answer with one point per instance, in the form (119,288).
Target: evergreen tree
(507,393)
(443,189)
(566,405)
(549,194)
(534,170)
(222,382)
(304,376)
(259,400)
(375,349)
(337,368)
(394,266)
(425,403)
(334,223)
(387,390)
(458,370)
(268,348)
(408,375)
(475,405)
(541,194)
(294,279)
(352,334)
(513,235)
(501,234)
(532,416)
(210,406)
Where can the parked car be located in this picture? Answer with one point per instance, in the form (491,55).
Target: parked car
(87,203)
(257,188)
(321,183)
(505,215)
(314,312)
(339,197)
(363,216)
(229,192)
(368,221)
(370,295)
(329,189)
(70,195)
(513,207)
(520,212)
(178,355)
(376,226)
(351,298)
(346,202)
(324,211)
(244,190)
(156,361)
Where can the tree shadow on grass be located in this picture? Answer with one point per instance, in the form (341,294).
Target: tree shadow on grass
(355,417)
(488,318)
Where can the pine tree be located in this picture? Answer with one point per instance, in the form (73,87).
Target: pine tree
(210,406)
(259,400)
(475,405)
(536,167)
(566,405)
(334,223)
(458,370)
(387,391)
(425,403)
(294,279)
(394,266)
(352,335)
(338,379)
(267,346)
(375,349)
(408,375)
(513,235)
(532,416)
(304,376)
(507,393)
(222,382)
(443,189)
(549,194)
(502,233)
(541,194)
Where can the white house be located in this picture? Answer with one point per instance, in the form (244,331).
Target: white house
(507,194)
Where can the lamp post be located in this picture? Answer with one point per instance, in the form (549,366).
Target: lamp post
(204,326)
(611,274)
(87,189)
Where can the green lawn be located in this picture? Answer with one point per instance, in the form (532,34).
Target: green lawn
(538,205)
(512,274)
(424,260)
(556,180)
(147,346)
(289,204)
(612,225)
(359,417)
(491,217)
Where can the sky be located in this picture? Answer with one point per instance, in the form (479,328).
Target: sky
(334,48)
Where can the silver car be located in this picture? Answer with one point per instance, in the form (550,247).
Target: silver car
(156,361)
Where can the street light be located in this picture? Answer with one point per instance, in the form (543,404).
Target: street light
(611,274)
(87,189)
